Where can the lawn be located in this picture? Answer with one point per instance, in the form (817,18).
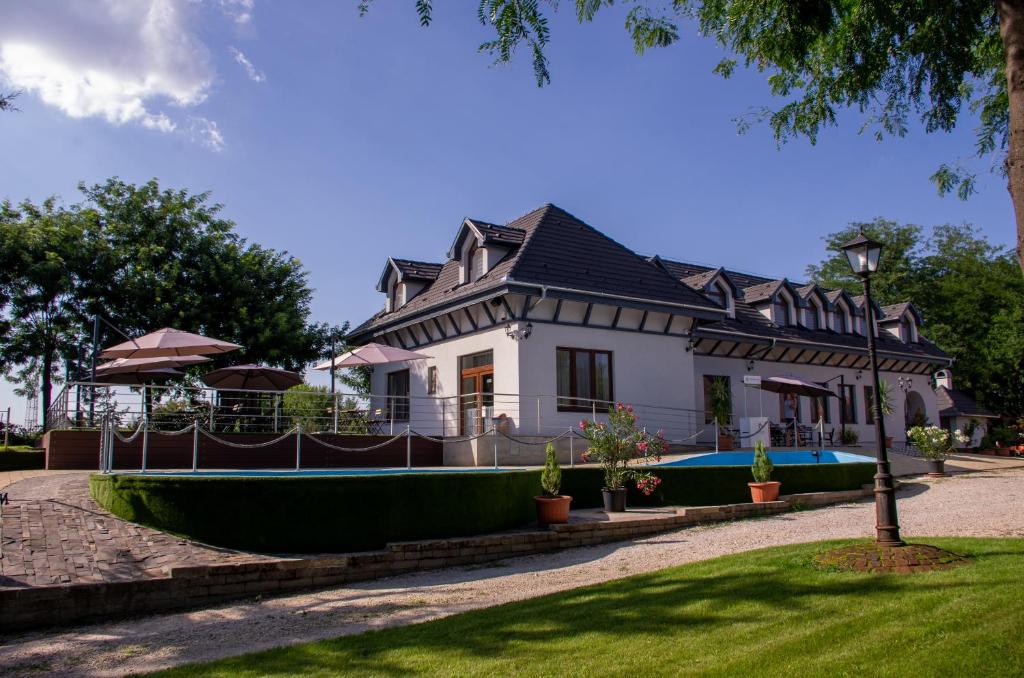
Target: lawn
(766,612)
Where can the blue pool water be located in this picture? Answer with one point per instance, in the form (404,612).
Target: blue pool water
(778,458)
(315,472)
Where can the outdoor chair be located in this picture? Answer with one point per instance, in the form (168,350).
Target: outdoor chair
(806,434)
(778,435)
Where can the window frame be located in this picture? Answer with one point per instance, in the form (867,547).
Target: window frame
(569,403)
(849,404)
(432,380)
(392,399)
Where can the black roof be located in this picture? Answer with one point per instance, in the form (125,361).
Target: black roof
(953,403)
(557,250)
(418,270)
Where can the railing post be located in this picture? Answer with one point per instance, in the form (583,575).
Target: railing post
(538,415)
(444,416)
(408,447)
(494,439)
(593,410)
(335,414)
(716,434)
(277,407)
(195,446)
(145,441)
(796,434)
(572,446)
(211,413)
(298,446)
(391,413)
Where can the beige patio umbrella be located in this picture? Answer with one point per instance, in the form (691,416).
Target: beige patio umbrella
(168,342)
(372,354)
(143,365)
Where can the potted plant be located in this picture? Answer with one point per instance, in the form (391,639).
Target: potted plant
(720,406)
(848,437)
(933,443)
(885,404)
(763,488)
(552,507)
(620,447)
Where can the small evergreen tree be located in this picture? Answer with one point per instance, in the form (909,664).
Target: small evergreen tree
(551,476)
(762,468)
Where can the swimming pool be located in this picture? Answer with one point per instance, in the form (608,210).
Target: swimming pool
(778,458)
(318,473)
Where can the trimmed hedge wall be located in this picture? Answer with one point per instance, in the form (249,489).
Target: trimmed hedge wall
(356,513)
(22,460)
(322,514)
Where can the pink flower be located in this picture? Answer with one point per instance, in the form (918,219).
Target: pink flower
(583,423)
(642,446)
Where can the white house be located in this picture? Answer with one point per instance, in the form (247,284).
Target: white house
(533,324)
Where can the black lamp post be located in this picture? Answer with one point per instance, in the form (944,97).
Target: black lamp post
(863,254)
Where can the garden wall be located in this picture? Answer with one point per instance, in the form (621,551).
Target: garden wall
(353,513)
(76,449)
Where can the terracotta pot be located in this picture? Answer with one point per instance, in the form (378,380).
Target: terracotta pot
(762,492)
(614,500)
(936,468)
(724,443)
(553,510)
(888,442)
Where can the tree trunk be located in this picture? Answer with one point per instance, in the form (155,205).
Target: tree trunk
(1011,29)
(47,385)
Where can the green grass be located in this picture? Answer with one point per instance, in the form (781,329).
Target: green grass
(767,612)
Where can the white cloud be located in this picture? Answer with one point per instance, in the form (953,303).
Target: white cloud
(254,74)
(239,11)
(125,61)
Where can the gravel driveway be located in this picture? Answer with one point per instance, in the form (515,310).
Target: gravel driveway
(983,504)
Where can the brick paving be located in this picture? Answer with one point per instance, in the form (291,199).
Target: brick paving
(54,533)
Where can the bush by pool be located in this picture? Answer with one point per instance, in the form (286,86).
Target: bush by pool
(338,513)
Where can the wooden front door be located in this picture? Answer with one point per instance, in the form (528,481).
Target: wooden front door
(476,399)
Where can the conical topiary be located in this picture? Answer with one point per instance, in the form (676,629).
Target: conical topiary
(762,468)
(551,476)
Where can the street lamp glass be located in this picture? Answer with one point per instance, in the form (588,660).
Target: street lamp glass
(863,253)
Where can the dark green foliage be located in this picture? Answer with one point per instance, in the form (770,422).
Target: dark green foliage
(21,460)
(551,476)
(970,293)
(762,467)
(351,513)
(307,515)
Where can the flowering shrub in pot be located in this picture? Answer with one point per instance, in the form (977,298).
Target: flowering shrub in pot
(933,443)
(763,489)
(620,448)
(552,507)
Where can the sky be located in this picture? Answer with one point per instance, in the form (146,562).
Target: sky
(345,139)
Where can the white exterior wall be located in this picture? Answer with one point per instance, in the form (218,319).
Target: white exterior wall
(648,369)
(736,369)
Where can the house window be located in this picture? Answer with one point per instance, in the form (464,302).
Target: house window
(476,262)
(812,317)
(907,330)
(432,380)
(848,398)
(398,395)
(709,385)
(820,410)
(841,325)
(716,295)
(781,312)
(584,376)
(869,405)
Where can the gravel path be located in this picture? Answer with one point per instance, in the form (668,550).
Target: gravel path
(984,504)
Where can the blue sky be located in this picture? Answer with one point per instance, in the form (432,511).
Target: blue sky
(344,140)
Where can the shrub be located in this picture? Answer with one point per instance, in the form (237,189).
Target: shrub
(307,406)
(551,476)
(762,468)
(619,446)
(848,436)
(932,441)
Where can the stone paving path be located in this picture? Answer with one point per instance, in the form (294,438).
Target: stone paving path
(54,533)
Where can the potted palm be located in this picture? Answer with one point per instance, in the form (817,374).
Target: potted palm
(620,448)
(552,507)
(763,489)
(933,443)
(720,406)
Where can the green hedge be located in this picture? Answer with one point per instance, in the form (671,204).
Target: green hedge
(322,514)
(353,513)
(709,485)
(22,460)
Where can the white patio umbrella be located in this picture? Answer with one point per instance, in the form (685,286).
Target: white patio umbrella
(372,354)
(168,342)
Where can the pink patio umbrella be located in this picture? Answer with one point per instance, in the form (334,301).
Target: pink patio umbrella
(252,378)
(796,386)
(143,365)
(372,354)
(168,342)
(153,376)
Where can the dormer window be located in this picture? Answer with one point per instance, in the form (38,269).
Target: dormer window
(812,317)
(842,327)
(477,257)
(717,295)
(780,309)
(907,330)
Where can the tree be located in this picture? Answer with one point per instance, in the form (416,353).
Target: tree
(7,101)
(970,294)
(143,258)
(43,257)
(891,60)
